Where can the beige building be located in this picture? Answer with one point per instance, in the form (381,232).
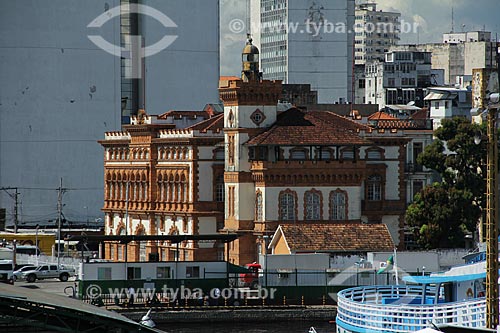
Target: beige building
(460,54)
(376,32)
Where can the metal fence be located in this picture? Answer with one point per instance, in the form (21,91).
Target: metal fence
(25,259)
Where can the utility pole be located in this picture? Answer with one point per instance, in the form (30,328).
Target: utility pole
(16,210)
(59,218)
(14,196)
(492,293)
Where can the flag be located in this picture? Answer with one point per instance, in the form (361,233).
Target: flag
(388,264)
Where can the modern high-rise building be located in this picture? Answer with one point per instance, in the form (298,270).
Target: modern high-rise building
(300,44)
(59,91)
(376,32)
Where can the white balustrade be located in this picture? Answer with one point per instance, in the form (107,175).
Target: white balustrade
(396,309)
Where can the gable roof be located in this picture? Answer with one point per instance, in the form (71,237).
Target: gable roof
(215,123)
(184,113)
(342,237)
(381,116)
(296,127)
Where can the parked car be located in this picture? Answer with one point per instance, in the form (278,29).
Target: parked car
(49,272)
(18,274)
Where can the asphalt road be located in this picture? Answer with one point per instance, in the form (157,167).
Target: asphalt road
(52,286)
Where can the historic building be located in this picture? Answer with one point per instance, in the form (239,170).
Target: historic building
(302,168)
(164,180)
(249,170)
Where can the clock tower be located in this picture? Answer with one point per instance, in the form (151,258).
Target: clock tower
(250,106)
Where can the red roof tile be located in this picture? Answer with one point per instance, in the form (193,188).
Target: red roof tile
(296,127)
(381,116)
(184,113)
(347,237)
(421,114)
(215,123)
(229,78)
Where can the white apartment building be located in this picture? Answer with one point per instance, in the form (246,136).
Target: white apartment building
(312,54)
(445,102)
(376,32)
(466,37)
(400,79)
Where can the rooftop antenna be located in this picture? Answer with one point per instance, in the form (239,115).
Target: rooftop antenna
(453,16)
(248,18)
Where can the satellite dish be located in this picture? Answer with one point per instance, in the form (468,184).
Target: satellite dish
(412,103)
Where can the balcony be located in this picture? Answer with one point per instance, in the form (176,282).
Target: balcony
(413,168)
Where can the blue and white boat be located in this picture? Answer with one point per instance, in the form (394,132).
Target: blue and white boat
(456,297)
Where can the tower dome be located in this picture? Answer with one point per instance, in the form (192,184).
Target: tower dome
(250,62)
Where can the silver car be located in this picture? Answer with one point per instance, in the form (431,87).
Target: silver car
(18,274)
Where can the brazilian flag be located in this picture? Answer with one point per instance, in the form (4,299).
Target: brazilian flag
(389,263)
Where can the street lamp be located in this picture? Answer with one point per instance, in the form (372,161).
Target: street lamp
(87,211)
(36,244)
(266,238)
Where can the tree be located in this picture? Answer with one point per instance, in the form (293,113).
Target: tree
(444,212)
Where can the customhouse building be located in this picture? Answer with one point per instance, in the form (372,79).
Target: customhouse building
(301,168)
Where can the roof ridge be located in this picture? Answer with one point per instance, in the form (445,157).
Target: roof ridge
(203,122)
(346,119)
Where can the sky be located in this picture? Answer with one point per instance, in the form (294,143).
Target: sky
(433,18)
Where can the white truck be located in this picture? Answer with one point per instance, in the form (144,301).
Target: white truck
(49,272)
(6,265)
(7,271)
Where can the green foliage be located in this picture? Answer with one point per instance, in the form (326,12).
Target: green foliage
(444,212)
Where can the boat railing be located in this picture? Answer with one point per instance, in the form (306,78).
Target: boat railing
(400,309)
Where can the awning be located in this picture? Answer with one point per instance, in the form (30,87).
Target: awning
(443,278)
(231,268)
(434,96)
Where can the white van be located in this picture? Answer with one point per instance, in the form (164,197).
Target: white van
(7,271)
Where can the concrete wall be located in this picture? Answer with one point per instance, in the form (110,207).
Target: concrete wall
(408,261)
(185,76)
(315,261)
(58,94)
(324,61)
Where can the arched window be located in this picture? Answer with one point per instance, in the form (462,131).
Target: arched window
(298,154)
(374,188)
(338,205)
(170,191)
(219,188)
(348,154)
(373,154)
(259,213)
(184,189)
(287,205)
(326,155)
(177,188)
(312,205)
(219,154)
